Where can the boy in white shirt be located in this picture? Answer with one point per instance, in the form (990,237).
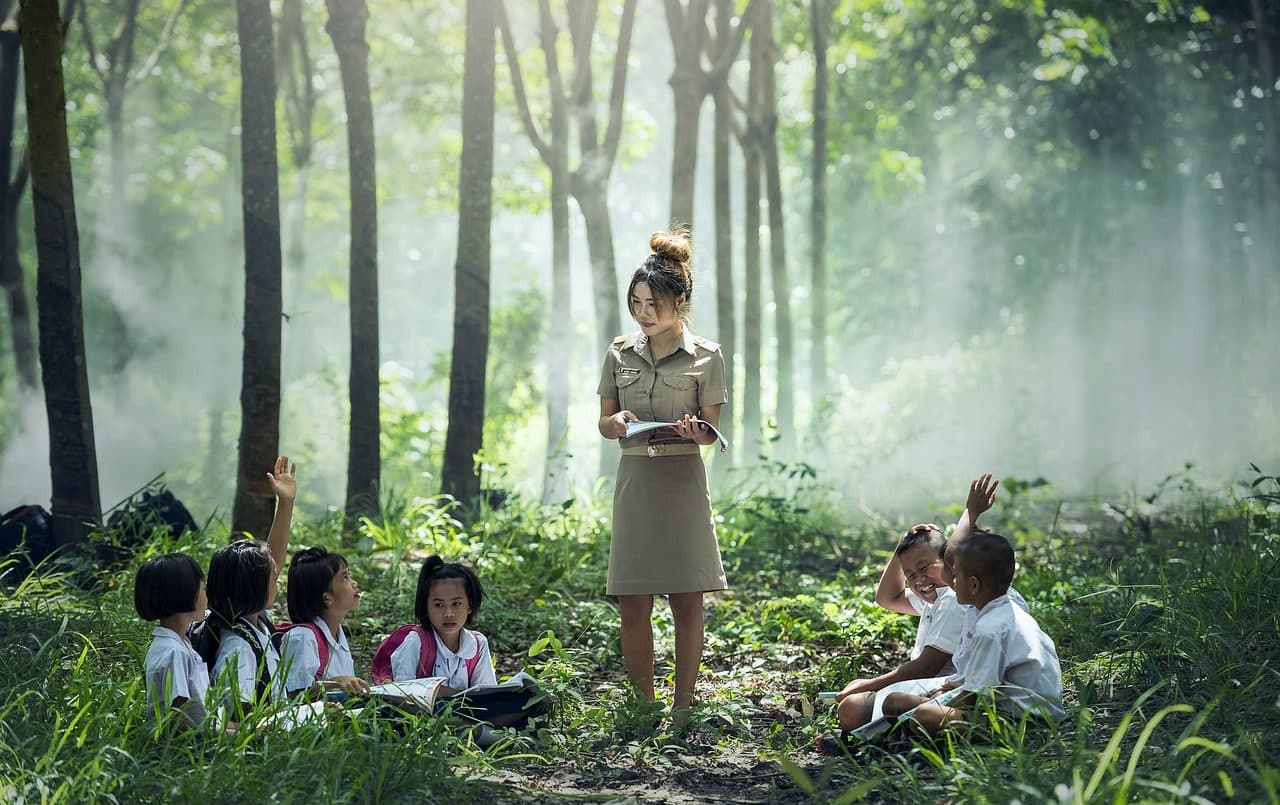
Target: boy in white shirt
(170,589)
(1009,658)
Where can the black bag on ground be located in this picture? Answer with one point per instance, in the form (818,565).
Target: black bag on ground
(28,532)
(135,520)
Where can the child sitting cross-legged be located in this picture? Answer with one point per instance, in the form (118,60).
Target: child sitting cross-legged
(912,584)
(1008,658)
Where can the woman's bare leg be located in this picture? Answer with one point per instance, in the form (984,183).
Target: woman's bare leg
(637,641)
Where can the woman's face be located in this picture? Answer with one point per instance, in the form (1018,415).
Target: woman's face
(654,314)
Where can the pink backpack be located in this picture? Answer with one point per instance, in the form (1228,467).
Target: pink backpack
(380,671)
(284,628)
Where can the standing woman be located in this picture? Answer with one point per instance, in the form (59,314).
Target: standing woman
(664,540)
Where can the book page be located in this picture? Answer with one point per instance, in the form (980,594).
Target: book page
(636,428)
(420,693)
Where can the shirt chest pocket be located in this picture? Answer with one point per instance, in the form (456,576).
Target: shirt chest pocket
(676,396)
(629,387)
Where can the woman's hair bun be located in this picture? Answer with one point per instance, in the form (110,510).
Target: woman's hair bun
(673,245)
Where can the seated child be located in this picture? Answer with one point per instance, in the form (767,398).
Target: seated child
(1009,658)
(321,594)
(170,589)
(235,639)
(916,563)
(449,594)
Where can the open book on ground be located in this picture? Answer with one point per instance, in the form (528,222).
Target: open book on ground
(883,724)
(520,680)
(636,428)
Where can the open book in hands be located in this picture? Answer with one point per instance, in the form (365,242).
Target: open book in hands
(423,694)
(636,428)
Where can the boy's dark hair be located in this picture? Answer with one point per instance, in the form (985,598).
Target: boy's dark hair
(166,585)
(988,556)
(310,574)
(237,583)
(436,569)
(924,532)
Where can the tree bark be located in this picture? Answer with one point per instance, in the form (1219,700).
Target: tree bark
(12,277)
(726,332)
(819,14)
(778,272)
(346,26)
(690,82)
(260,199)
(72,452)
(465,435)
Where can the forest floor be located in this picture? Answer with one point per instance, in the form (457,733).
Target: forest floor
(1166,618)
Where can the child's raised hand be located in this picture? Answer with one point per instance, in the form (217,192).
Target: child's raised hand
(284,481)
(982,495)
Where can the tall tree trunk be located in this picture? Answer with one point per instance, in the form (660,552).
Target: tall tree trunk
(12,277)
(752,313)
(347,20)
(819,15)
(690,82)
(589,182)
(260,199)
(465,435)
(293,60)
(726,332)
(763,34)
(72,454)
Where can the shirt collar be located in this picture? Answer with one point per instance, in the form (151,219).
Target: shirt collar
(165,633)
(328,635)
(639,342)
(468,647)
(994,604)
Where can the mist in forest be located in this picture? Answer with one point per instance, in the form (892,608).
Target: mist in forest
(1102,364)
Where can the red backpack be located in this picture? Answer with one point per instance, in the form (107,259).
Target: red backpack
(285,627)
(380,671)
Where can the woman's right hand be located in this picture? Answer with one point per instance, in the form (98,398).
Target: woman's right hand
(615,427)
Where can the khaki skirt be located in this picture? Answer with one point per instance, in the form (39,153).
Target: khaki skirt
(664,540)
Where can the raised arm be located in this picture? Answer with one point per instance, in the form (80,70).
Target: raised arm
(284,482)
(891,593)
(982,496)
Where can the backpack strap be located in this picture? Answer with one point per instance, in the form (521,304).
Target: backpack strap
(474,661)
(322,648)
(427,654)
(241,628)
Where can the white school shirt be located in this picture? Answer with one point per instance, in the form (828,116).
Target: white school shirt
(1010,654)
(300,654)
(940,624)
(173,669)
(237,655)
(404,660)
(960,656)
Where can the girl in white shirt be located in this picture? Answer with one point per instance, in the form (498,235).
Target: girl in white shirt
(170,589)
(321,595)
(449,593)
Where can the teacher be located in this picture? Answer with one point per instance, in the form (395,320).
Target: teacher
(664,540)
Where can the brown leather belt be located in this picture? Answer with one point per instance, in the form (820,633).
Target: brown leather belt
(656,450)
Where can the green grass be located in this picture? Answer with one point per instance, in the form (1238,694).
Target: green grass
(1165,616)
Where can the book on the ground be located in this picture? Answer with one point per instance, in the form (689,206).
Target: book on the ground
(636,428)
(885,723)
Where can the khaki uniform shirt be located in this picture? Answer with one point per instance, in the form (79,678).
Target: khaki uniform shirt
(687,380)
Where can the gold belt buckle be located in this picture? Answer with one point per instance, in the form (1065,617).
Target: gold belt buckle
(656,450)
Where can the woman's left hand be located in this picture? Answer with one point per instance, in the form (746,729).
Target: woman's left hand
(689,427)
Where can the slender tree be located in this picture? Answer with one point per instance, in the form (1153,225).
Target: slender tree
(554,150)
(819,19)
(260,200)
(690,82)
(465,435)
(347,20)
(72,452)
(12,185)
(749,137)
(294,62)
(763,38)
(726,321)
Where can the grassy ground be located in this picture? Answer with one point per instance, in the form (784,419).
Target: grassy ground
(1164,612)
